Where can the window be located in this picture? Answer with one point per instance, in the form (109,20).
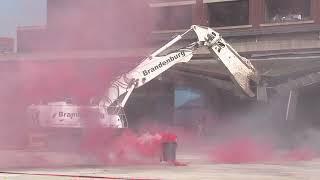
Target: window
(172,17)
(278,11)
(227,12)
(189,104)
(188,98)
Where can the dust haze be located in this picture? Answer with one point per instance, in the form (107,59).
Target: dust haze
(256,133)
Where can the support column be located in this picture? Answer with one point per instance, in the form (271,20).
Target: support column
(200,13)
(292,105)
(262,94)
(315,13)
(256,12)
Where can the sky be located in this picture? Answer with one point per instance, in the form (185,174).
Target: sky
(15,13)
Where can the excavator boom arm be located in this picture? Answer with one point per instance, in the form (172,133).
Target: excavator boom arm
(240,69)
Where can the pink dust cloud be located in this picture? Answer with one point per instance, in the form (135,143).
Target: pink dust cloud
(116,25)
(92,26)
(241,150)
(300,154)
(122,25)
(250,150)
(125,147)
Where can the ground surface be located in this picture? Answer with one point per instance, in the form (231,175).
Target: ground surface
(196,169)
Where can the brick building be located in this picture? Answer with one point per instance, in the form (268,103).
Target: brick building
(280,37)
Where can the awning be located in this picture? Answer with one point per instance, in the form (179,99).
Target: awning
(215,1)
(158,3)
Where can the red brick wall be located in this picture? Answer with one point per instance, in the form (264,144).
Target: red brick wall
(94,24)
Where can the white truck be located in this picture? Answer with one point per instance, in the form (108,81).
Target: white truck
(110,108)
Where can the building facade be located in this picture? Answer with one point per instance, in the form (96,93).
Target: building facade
(280,37)
(6,45)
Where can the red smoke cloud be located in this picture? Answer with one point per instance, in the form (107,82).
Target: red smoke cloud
(118,147)
(300,154)
(241,150)
(91,26)
(117,24)
(250,150)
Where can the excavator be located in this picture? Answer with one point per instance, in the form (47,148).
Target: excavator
(110,106)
